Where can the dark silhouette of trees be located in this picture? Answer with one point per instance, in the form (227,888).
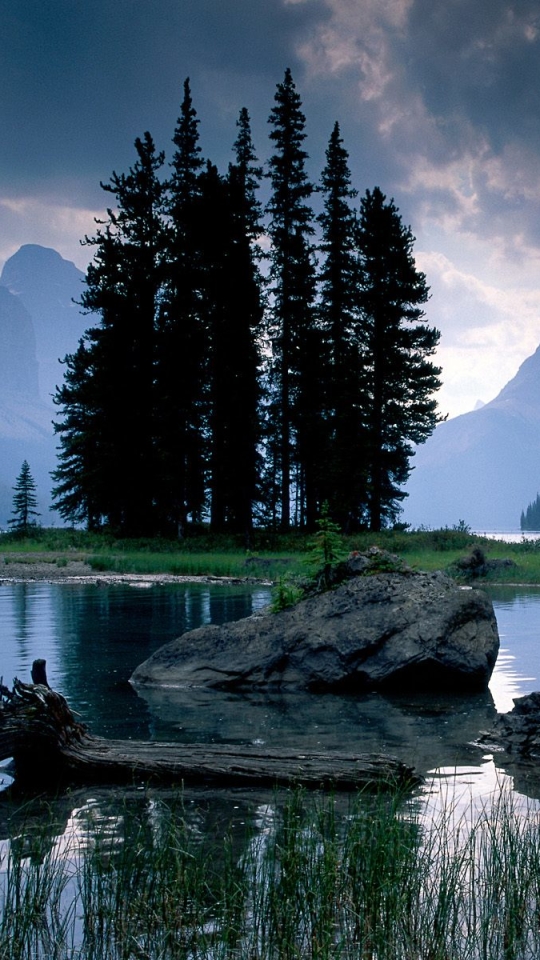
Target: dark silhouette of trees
(232,313)
(24,502)
(213,386)
(235,340)
(108,395)
(245,176)
(83,485)
(344,397)
(400,408)
(182,347)
(294,367)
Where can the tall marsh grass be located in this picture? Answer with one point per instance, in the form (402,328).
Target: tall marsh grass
(374,882)
(196,564)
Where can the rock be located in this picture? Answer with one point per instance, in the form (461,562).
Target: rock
(370,561)
(476,564)
(518,731)
(406,631)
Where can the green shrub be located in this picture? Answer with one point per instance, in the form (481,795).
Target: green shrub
(286,593)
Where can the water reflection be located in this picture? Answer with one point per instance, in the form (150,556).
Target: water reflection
(94,635)
(517,670)
(423,731)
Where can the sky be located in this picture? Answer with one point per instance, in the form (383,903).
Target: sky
(438,103)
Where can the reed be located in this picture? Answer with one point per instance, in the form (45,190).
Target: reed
(377,881)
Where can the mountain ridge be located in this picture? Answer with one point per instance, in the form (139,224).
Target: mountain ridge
(482,467)
(39,325)
(48,287)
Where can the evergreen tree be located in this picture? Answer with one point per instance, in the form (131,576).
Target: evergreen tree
(400,407)
(232,312)
(106,462)
(245,177)
(182,349)
(85,487)
(295,364)
(343,454)
(24,502)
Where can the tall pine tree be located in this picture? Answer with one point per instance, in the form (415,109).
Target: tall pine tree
(400,408)
(232,312)
(344,473)
(294,367)
(106,463)
(182,348)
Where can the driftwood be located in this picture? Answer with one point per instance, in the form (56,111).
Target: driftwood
(39,731)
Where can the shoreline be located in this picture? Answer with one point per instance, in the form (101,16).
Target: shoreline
(76,571)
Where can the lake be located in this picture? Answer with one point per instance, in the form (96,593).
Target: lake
(93,636)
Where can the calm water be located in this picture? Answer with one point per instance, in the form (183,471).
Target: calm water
(93,636)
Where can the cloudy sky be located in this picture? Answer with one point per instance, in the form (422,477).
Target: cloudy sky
(438,102)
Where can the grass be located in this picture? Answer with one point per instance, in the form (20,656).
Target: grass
(379,882)
(270,555)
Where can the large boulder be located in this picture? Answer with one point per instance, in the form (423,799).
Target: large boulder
(396,630)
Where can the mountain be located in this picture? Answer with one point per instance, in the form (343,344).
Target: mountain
(39,324)
(47,286)
(18,362)
(484,466)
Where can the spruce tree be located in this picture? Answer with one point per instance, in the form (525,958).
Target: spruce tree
(182,347)
(106,462)
(85,479)
(295,362)
(246,306)
(231,311)
(24,502)
(245,176)
(400,407)
(342,441)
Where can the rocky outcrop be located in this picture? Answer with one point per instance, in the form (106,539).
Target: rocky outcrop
(393,630)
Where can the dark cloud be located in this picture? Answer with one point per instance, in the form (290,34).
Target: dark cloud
(479,62)
(85,79)
(438,102)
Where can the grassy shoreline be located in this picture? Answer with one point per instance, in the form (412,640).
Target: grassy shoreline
(270,556)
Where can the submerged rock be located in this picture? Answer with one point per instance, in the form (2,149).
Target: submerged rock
(394,630)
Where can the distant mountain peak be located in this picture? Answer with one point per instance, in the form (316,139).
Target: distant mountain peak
(483,466)
(49,287)
(34,250)
(34,265)
(40,322)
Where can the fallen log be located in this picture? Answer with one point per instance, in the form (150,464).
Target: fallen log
(48,745)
